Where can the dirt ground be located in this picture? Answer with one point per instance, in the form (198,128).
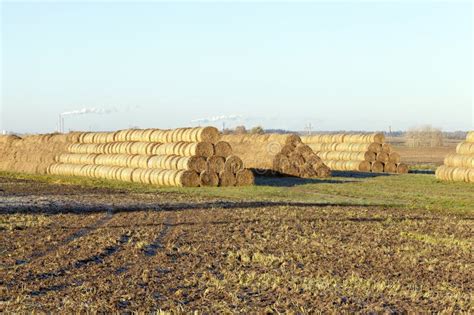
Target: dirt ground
(416,156)
(66,248)
(423,155)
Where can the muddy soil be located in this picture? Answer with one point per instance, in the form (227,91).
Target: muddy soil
(74,249)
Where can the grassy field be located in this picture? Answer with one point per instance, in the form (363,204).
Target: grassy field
(423,157)
(354,243)
(411,191)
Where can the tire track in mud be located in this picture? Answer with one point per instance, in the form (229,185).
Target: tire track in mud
(74,236)
(99,258)
(152,248)
(149,250)
(62,271)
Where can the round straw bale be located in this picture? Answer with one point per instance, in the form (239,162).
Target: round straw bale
(361,138)
(215,164)
(402,168)
(459,160)
(376,167)
(471,175)
(244,177)
(375,147)
(146,176)
(461,174)
(383,157)
(126,174)
(470,136)
(205,149)
(362,166)
(233,164)
(197,163)
(196,134)
(387,148)
(390,167)
(209,178)
(227,178)
(370,156)
(223,149)
(207,134)
(394,157)
(333,138)
(465,148)
(340,165)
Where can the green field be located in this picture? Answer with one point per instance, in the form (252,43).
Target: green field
(411,191)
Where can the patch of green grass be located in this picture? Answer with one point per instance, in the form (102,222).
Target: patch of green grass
(420,191)
(22,221)
(464,245)
(427,167)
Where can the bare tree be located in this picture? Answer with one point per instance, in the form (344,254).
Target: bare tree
(257,130)
(424,136)
(240,130)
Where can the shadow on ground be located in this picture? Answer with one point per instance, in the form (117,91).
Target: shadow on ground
(429,172)
(78,208)
(359,174)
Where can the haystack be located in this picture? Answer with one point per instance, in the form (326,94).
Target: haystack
(179,157)
(272,154)
(356,152)
(459,167)
(187,157)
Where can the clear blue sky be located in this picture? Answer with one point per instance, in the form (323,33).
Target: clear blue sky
(364,66)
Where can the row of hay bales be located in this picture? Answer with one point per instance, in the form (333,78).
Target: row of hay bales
(32,154)
(459,167)
(177,156)
(356,152)
(188,157)
(277,154)
(199,134)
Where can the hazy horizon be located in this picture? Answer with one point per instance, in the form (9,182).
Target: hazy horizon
(337,66)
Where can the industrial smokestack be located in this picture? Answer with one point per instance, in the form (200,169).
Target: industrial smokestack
(218,118)
(82,111)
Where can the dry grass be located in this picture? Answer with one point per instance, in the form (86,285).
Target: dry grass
(246,260)
(423,155)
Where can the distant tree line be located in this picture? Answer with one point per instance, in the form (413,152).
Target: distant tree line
(422,135)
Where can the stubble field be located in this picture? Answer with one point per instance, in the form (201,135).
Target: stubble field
(388,243)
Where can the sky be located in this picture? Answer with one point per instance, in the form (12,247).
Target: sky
(357,65)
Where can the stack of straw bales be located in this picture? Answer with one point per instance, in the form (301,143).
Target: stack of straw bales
(356,152)
(282,154)
(459,166)
(188,157)
(33,153)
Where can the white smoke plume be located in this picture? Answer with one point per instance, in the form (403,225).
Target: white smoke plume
(85,111)
(218,118)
